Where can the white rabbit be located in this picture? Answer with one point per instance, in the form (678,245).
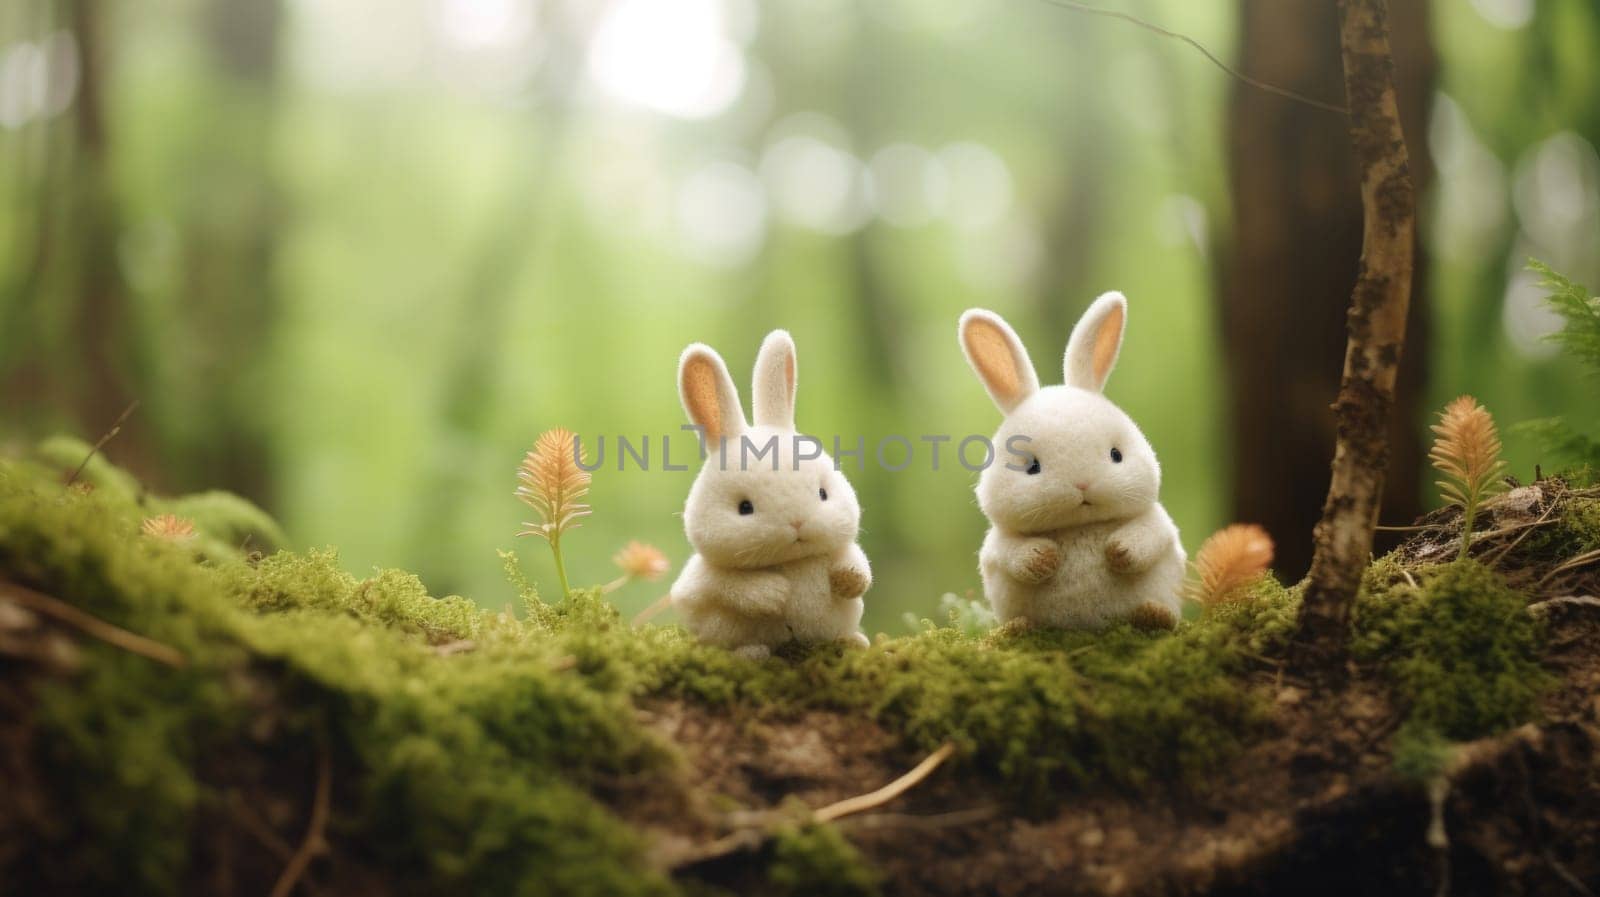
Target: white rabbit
(774,529)
(1077,536)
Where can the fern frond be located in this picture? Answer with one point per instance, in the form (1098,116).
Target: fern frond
(1466,451)
(1562,439)
(1230,559)
(1580,313)
(1579,338)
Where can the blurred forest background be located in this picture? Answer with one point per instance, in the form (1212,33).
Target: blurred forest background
(352,256)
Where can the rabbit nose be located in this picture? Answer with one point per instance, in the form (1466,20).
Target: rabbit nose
(797,524)
(1082,487)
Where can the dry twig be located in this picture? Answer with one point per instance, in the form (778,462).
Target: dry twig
(116,428)
(1230,70)
(314,842)
(894,789)
(258,828)
(755,828)
(933,822)
(92,625)
(1572,563)
(1555,502)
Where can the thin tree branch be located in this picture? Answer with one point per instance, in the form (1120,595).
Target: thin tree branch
(1377,334)
(1284,92)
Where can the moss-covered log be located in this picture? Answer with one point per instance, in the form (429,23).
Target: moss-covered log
(326,733)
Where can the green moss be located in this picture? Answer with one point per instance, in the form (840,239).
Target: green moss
(1460,648)
(227,518)
(392,598)
(1575,531)
(1420,752)
(231,521)
(817,861)
(474,773)
(1040,711)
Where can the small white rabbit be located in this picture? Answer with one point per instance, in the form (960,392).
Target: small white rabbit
(773,529)
(1077,536)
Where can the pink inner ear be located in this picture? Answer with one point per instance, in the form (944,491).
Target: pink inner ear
(1106,341)
(700,394)
(991,353)
(788,375)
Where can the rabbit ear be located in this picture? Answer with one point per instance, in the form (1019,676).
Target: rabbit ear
(1095,342)
(998,358)
(708,393)
(774,382)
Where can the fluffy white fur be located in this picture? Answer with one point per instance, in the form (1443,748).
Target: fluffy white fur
(1083,542)
(790,569)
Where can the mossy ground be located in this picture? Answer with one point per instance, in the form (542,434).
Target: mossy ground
(483,752)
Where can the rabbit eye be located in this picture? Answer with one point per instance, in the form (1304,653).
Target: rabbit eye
(746,508)
(1116,456)
(1033,468)
(822,494)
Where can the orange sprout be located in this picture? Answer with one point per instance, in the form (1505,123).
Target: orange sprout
(1466,452)
(168,526)
(1232,558)
(640,560)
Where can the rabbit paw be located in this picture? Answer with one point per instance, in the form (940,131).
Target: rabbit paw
(856,640)
(1150,617)
(753,652)
(1015,626)
(1040,562)
(767,593)
(1119,558)
(847,582)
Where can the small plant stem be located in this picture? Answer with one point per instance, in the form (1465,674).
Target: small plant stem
(561,568)
(1469,510)
(656,607)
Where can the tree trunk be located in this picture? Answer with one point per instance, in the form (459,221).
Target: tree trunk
(1296,240)
(230,300)
(1377,331)
(102,320)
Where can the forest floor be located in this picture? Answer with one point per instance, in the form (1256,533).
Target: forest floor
(177,715)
